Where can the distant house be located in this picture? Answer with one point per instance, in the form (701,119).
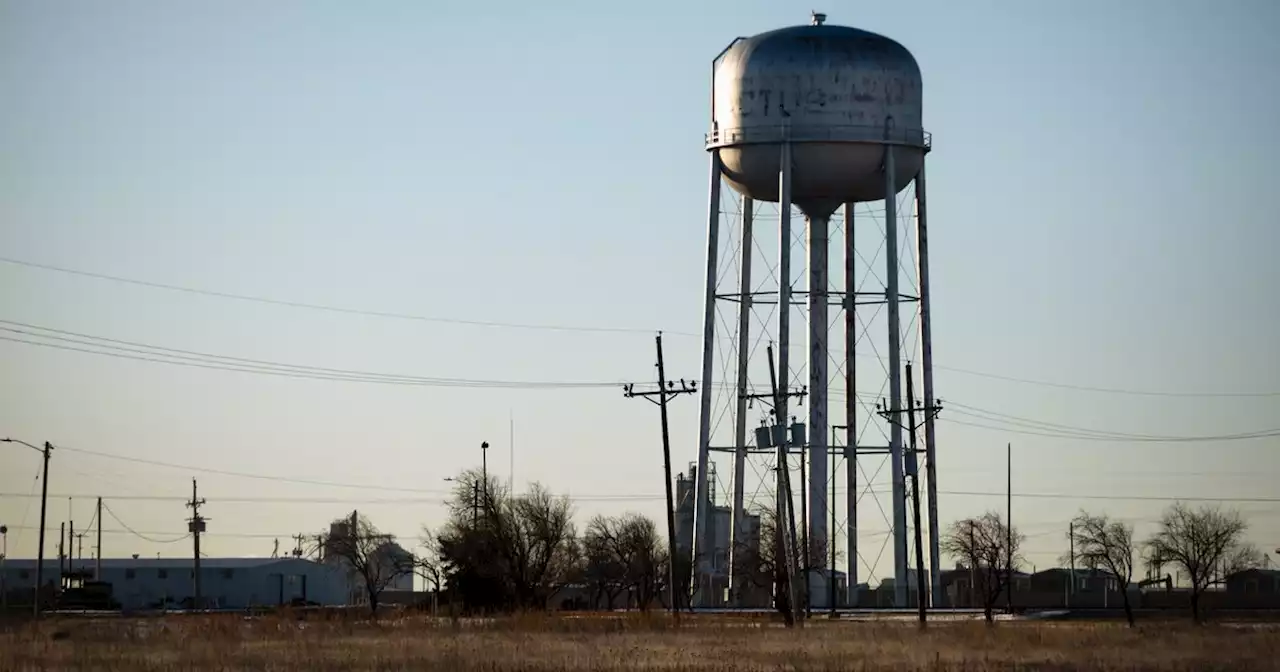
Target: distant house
(1254,582)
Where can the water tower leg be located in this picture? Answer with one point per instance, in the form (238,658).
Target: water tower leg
(926,360)
(818,382)
(701,549)
(737,530)
(850,406)
(895,381)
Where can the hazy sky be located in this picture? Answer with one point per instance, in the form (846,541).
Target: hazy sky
(1100,197)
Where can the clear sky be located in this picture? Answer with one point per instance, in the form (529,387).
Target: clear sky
(1100,200)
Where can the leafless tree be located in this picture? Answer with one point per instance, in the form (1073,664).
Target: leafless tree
(371,556)
(625,554)
(1104,544)
(523,545)
(605,570)
(761,562)
(1206,543)
(983,544)
(430,565)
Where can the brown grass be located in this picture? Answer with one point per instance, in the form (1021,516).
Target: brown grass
(622,643)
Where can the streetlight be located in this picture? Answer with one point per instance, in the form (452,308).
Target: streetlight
(44,502)
(484,468)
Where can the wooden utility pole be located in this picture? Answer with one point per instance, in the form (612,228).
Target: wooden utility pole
(1071,583)
(97,569)
(665,391)
(44,505)
(62,555)
(914,469)
(912,466)
(195,525)
(784,499)
(1008,526)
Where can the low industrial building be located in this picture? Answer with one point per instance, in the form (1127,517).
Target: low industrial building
(169,583)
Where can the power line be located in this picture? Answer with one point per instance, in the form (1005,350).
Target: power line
(140,535)
(144,352)
(1248,436)
(328,308)
(1104,390)
(304,481)
(656,497)
(571,328)
(323,500)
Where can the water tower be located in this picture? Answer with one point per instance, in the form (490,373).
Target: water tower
(824,119)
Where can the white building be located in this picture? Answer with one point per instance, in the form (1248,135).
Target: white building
(226,583)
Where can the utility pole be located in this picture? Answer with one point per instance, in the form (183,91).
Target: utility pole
(1071,584)
(666,391)
(97,568)
(44,505)
(1008,528)
(195,525)
(831,541)
(913,467)
(297,549)
(973,567)
(913,470)
(785,501)
(71,539)
(62,556)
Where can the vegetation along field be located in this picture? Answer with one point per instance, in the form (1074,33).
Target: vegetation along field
(627,643)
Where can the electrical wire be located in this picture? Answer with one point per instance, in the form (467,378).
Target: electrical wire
(569,328)
(328,308)
(1248,436)
(331,484)
(141,535)
(164,355)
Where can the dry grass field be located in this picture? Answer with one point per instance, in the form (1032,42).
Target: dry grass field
(544,643)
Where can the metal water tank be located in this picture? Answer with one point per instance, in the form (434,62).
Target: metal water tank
(838,94)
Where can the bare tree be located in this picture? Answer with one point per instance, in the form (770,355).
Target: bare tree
(1206,543)
(371,556)
(430,565)
(761,562)
(505,550)
(605,570)
(1104,544)
(984,544)
(625,554)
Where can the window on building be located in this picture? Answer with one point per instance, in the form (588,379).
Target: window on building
(129,573)
(24,574)
(163,573)
(227,573)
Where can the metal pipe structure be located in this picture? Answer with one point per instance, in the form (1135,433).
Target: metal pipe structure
(926,360)
(850,404)
(895,380)
(698,545)
(737,529)
(819,282)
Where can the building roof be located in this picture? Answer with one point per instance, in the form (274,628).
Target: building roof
(143,563)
